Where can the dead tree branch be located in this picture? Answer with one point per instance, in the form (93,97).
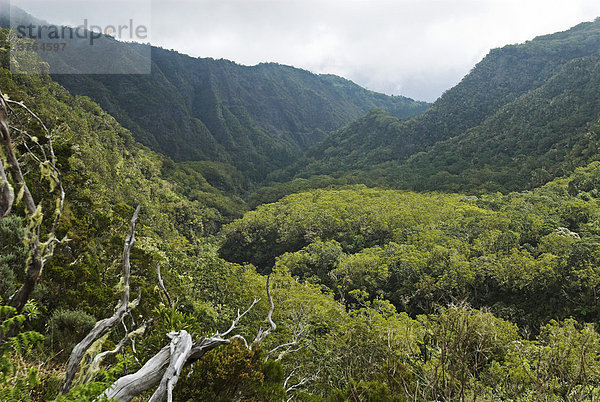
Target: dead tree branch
(7,194)
(129,386)
(260,337)
(286,348)
(14,167)
(299,384)
(162,286)
(100,356)
(236,321)
(181,346)
(40,251)
(104,326)
(164,368)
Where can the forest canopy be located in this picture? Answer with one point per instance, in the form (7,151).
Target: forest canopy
(154,278)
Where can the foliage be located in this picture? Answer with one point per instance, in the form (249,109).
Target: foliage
(459,344)
(562,364)
(524,115)
(253,119)
(233,372)
(421,250)
(19,381)
(66,328)
(379,294)
(12,255)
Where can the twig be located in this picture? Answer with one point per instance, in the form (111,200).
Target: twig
(162,286)
(260,337)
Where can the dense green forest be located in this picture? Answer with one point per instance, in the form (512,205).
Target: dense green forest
(251,118)
(519,119)
(477,278)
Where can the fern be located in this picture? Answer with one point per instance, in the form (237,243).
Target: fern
(7,310)
(31,310)
(24,342)
(11,322)
(15,386)
(20,389)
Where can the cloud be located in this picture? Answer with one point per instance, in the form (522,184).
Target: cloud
(416,48)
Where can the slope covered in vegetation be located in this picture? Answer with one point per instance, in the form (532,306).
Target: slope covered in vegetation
(377,294)
(256,118)
(519,119)
(529,257)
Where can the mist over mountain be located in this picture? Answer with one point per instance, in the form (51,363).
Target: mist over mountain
(255,118)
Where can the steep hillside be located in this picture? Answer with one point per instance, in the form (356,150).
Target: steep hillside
(255,118)
(544,134)
(105,172)
(520,102)
(373,293)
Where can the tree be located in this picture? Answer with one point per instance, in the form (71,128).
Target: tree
(164,368)
(42,153)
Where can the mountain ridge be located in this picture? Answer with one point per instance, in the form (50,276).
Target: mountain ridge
(379,142)
(255,118)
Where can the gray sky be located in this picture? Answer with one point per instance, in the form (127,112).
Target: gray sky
(416,48)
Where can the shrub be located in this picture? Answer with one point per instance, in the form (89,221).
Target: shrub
(66,328)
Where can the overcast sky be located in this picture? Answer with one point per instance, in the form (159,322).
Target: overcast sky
(416,48)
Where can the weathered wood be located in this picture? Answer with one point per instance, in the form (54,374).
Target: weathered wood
(100,356)
(290,347)
(36,263)
(104,326)
(11,159)
(162,286)
(181,346)
(164,368)
(37,258)
(146,378)
(7,194)
(260,337)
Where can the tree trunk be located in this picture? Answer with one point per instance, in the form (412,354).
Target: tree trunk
(163,369)
(36,262)
(7,195)
(104,326)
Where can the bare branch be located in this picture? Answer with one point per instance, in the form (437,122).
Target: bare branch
(236,321)
(181,346)
(32,139)
(162,285)
(35,116)
(129,243)
(7,194)
(100,356)
(300,383)
(40,252)
(129,386)
(299,333)
(164,368)
(104,326)
(260,337)
(241,338)
(14,166)
(289,376)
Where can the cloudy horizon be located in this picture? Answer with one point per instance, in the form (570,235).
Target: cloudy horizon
(413,48)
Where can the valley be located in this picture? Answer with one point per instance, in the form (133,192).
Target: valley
(271,234)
